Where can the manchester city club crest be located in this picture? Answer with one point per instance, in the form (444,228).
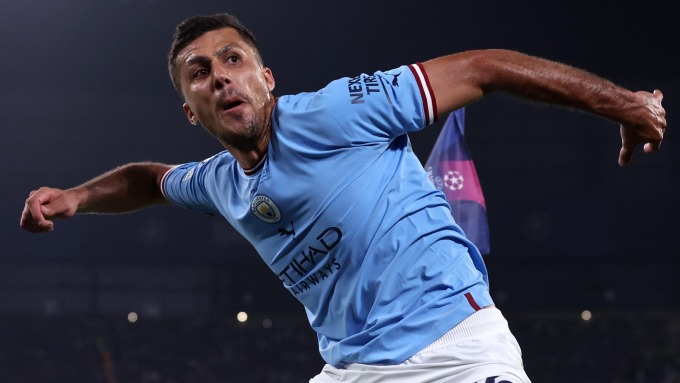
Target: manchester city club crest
(265,209)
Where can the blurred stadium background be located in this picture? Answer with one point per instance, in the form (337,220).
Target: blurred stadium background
(584,259)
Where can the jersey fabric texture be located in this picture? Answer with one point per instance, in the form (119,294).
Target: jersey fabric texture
(344,214)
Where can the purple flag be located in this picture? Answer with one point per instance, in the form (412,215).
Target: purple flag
(452,171)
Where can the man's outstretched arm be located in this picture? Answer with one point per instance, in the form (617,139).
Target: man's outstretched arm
(462,78)
(126,188)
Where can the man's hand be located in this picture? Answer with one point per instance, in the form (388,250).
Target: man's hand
(649,131)
(44,205)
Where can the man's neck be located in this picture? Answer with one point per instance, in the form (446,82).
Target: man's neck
(250,159)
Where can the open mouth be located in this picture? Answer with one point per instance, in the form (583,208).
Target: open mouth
(231,105)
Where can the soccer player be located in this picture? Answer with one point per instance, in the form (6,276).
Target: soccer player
(326,188)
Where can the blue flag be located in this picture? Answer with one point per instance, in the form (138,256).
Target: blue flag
(452,171)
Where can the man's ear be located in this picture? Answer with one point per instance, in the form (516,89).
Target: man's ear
(193,119)
(269,78)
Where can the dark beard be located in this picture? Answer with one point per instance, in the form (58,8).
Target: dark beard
(251,133)
(247,139)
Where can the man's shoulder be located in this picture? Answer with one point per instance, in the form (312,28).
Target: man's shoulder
(217,160)
(340,96)
(221,157)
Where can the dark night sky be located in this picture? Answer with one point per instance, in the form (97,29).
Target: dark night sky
(84,89)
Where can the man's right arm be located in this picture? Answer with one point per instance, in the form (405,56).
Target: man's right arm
(126,188)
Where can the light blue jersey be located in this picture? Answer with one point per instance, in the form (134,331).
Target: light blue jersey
(344,214)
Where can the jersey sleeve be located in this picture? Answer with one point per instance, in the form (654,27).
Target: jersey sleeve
(370,107)
(187,185)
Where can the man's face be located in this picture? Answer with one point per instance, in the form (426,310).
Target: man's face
(225,87)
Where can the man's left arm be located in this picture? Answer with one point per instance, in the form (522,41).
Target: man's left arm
(462,78)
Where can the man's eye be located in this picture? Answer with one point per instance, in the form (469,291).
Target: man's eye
(200,72)
(233,59)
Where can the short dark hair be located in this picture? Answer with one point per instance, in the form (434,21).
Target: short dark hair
(194,27)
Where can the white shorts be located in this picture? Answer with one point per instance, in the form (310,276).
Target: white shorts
(480,349)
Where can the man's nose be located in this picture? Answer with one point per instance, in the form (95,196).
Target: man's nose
(221,76)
